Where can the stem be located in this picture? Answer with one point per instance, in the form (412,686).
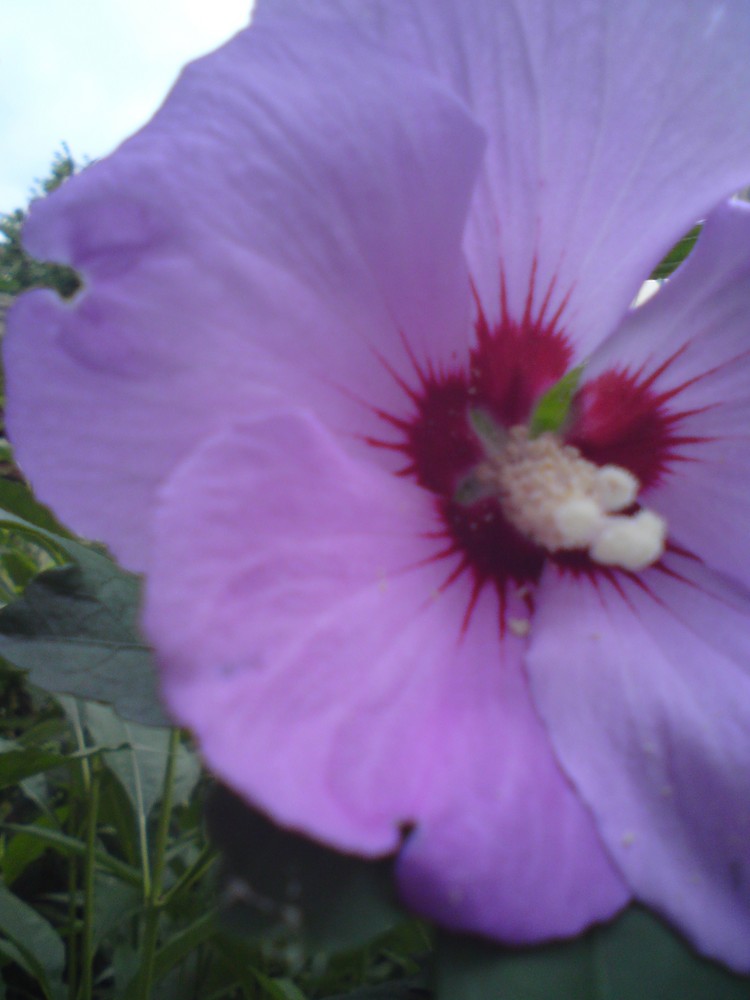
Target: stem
(142,824)
(72,974)
(89,872)
(205,861)
(141,820)
(91,800)
(154,902)
(77,726)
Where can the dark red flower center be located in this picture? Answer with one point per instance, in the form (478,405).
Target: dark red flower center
(617,419)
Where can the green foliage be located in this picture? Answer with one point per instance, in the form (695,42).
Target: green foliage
(32,943)
(75,628)
(290,888)
(103,848)
(111,887)
(636,956)
(19,271)
(111,864)
(413,988)
(138,756)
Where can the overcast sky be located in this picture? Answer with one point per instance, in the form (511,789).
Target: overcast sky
(90,72)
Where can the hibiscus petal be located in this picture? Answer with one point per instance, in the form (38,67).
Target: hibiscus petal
(280,224)
(307,640)
(503,846)
(613,125)
(644,686)
(692,336)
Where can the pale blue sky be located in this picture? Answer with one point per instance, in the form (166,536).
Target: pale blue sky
(90,72)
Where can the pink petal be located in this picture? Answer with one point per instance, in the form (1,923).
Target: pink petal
(503,846)
(613,125)
(290,587)
(278,227)
(644,686)
(307,639)
(694,336)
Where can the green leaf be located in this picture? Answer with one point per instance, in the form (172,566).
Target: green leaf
(138,756)
(551,412)
(677,254)
(19,852)
(38,947)
(279,989)
(19,568)
(279,884)
(75,631)
(182,943)
(18,271)
(403,989)
(116,814)
(19,763)
(72,847)
(114,903)
(637,956)
(25,551)
(16,498)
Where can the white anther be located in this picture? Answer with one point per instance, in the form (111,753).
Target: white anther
(561,501)
(615,488)
(632,543)
(579,522)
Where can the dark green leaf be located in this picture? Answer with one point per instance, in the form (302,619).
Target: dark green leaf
(17,498)
(20,569)
(185,941)
(20,763)
(677,254)
(19,852)
(181,945)
(635,957)
(138,756)
(116,815)
(25,551)
(278,989)
(40,950)
(114,903)
(75,631)
(72,847)
(277,883)
(404,989)
(18,271)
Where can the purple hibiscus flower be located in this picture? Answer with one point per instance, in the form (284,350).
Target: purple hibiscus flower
(323,293)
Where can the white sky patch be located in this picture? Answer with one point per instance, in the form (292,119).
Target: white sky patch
(91,72)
